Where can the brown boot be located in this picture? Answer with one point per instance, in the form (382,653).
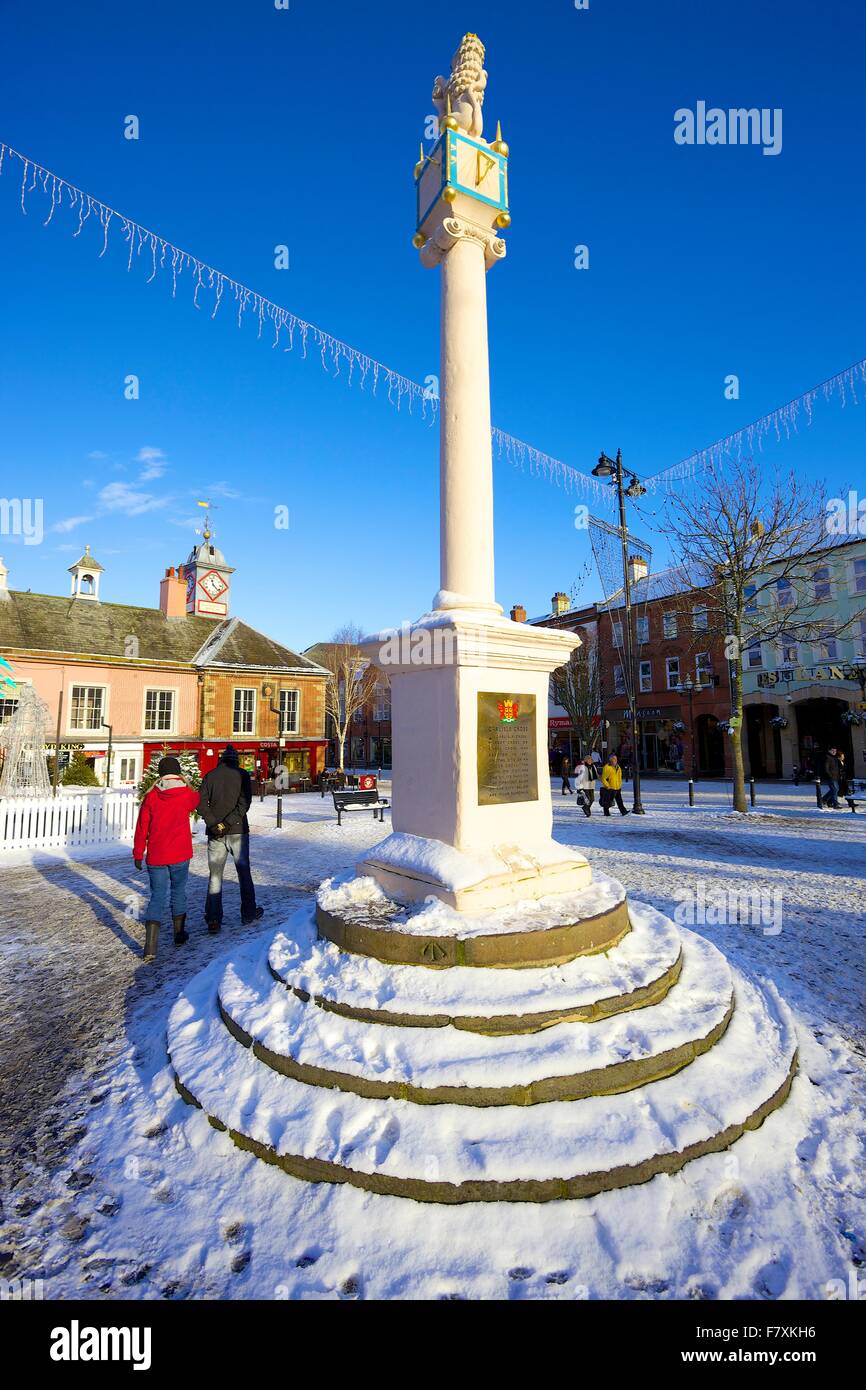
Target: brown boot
(181,935)
(151,933)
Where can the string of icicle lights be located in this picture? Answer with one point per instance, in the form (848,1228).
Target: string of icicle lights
(164,257)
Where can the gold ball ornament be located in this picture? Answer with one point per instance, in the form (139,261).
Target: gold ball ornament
(449,194)
(419,240)
(499,146)
(503,220)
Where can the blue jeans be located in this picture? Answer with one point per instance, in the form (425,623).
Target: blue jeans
(167,881)
(238,846)
(831,796)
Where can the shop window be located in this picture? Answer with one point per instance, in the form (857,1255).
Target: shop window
(158,711)
(290,704)
(7,709)
(672,671)
(244,716)
(382,701)
(128,769)
(646,675)
(828,647)
(86,707)
(823,584)
(669,624)
(789,652)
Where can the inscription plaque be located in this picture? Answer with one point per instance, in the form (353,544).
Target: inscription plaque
(507,755)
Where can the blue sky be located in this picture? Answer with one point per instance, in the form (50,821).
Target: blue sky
(260,127)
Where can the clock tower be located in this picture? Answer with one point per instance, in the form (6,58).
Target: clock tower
(208,578)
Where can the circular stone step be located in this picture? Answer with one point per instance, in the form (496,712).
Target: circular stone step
(456,1153)
(568,1061)
(357,916)
(638,971)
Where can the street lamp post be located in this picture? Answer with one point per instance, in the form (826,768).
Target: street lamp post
(110,729)
(613,470)
(691,688)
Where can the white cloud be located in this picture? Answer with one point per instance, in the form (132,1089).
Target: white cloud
(97,454)
(122,497)
(69,523)
(155,463)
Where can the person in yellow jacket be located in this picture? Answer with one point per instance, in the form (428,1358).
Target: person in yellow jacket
(611,786)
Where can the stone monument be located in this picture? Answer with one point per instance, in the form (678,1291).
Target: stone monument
(473,1015)
(471,790)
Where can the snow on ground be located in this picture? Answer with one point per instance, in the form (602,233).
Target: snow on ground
(113,1187)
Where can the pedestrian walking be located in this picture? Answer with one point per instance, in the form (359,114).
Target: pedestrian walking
(163,836)
(611,786)
(225,798)
(585,778)
(565,771)
(832,776)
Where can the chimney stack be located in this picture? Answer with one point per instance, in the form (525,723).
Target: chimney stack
(518,613)
(637,568)
(172,594)
(560,603)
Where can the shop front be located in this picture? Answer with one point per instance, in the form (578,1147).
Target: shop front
(302,759)
(796,715)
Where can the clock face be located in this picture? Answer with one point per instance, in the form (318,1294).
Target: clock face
(213,584)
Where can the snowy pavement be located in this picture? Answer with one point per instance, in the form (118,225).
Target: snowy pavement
(113,1187)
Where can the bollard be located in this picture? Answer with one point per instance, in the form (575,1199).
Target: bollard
(691,792)
(752,790)
(279,809)
(818,791)
(261,789)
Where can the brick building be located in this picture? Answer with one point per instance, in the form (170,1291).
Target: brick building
(185,675)
(669,618)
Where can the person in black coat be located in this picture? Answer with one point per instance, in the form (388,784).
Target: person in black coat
(225,797)
(833,777)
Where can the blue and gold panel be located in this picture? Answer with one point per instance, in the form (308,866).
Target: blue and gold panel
(456,161)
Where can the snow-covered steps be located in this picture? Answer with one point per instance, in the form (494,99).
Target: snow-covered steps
(636,972)
(568,1061)
(462,1153)
(358,916)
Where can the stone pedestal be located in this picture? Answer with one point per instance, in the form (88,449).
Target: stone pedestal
(471,809)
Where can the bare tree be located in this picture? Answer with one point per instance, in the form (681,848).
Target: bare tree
(350,684)
(576,686)
(751,542)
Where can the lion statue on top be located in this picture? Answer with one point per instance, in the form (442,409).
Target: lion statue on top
(465,86)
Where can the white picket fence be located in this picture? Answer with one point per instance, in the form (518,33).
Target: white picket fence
(67,821)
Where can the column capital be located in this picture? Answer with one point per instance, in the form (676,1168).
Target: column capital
(453,229)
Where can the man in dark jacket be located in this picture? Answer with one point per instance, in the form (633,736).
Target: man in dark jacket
(224,799)
(833,776)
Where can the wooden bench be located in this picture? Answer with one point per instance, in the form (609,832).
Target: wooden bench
(360,801)
(854,802)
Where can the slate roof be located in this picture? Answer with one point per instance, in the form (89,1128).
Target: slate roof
(81,626)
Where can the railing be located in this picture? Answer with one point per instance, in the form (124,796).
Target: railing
(67,821)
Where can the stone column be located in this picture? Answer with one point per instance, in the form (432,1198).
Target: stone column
(465,456)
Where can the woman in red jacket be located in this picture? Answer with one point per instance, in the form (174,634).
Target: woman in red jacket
(162,832)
